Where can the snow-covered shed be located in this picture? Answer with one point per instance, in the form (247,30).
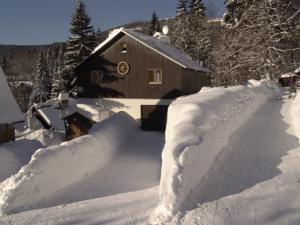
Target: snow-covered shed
(10,112)
(139,74)
(73,120)
(286,79)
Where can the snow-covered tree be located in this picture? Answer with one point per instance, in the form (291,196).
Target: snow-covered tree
(181,8)
(79,44)
(154,24)
(191,32)
(57,85)
(262,41)
(197,7)
(42,84)
(181,36)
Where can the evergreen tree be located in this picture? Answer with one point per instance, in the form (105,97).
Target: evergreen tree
(181,8)
(57,85)
(42,87)
(191,31)
(181,36)
(99,35)
(197,7)
(154,25)
(79,45)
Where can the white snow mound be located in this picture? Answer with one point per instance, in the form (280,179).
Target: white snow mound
(57,167)
(198,128)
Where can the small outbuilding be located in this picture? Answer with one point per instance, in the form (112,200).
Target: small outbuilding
(286,79)
(77,125)
(10,112)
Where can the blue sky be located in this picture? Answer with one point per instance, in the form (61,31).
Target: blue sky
(47,21)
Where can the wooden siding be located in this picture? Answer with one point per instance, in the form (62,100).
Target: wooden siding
(77,125)
(134,84)
(7,133)
(193,81)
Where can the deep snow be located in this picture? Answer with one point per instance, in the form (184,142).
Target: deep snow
(115,157)
(254,180)
(198,128)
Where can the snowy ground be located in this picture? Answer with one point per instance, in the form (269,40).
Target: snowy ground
(256,181)
(15,155)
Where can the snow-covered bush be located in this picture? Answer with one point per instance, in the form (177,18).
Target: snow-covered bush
(57,167)
(198,128)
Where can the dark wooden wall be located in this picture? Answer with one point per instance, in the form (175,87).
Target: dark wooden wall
(134,84)
(7,133)
(193,81)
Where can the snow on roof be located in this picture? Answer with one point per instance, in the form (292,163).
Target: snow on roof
(170,52)
(286,75)
(9,110)
(54,116)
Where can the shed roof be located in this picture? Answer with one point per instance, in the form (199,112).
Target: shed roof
(9,109)
(165,49)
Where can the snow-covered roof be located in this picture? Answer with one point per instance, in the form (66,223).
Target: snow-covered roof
(167,50)
(286,75)
(9,109)
(54,116)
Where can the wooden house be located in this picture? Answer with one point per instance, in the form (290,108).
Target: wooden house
(10,112)
(140,74)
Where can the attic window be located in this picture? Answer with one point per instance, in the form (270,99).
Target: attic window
(124,48)
(154,76)
(96,76)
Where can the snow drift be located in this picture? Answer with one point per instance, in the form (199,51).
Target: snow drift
(198,128)
(57,167)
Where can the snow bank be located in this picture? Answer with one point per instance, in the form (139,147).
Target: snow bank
(57,167)
(198,128)
(46,137)
(296,115)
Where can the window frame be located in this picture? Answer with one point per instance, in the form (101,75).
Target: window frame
(99,76)
(124,48)
(155,80)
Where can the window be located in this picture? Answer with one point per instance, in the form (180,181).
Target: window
(123,47)
(154,76)
(96,76)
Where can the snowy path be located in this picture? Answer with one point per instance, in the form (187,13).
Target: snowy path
(123,209)
(256,180)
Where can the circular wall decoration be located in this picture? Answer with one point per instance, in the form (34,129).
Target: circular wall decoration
(123,68)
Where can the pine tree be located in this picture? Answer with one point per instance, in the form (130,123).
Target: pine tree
(181,8)
(197,7)
(154,25)
(57,85)
(42,87)
(79,45)
(99,35)
(181,36)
